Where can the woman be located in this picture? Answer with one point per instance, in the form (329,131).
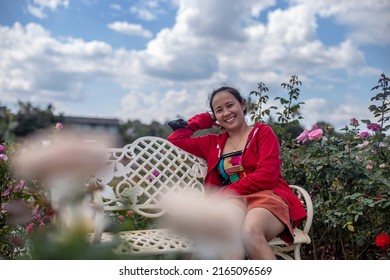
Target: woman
(243,163)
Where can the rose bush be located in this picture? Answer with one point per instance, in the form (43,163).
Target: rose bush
(347,175)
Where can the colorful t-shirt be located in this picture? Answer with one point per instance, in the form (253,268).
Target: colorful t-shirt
(230,168)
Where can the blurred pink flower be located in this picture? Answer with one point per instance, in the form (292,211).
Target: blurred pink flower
(316,134)
(354,122)
(373,126)
(121,219)
(3,157)
(19,186)
(364,134)
(2,207)
(7,192)
(29,228)
(155,173)
(2,148)
(303,137)
(59,126)
(17,241)
(369,167)
(314,127)
(35,210)
(39,219)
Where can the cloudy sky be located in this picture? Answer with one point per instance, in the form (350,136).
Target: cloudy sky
(159,59)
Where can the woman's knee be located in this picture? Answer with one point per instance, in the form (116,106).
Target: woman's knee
(251,233)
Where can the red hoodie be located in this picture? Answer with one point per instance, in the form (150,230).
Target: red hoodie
(260,160)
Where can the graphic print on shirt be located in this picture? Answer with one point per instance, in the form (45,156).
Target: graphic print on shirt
(230,168)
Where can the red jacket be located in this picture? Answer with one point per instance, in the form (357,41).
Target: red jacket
(261,160)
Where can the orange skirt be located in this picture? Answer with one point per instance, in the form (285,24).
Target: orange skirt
(276,205)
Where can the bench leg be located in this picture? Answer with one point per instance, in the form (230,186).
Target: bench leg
(297,252)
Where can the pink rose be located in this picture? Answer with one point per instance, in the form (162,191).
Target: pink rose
(7,192)
(354,122)
(39,219)
(3,157)
(35,210)
(316,134)
(17,241)
(314,127)
(59,126)
(364,134)
(19,186)
(373,126)
(303,137)
(29,228)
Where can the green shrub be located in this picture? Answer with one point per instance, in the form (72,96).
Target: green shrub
(347,175)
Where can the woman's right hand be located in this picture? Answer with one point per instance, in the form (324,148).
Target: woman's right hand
(216,123)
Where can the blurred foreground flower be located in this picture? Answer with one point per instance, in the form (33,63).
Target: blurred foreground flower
(214,221)
(63,163)
(65,153)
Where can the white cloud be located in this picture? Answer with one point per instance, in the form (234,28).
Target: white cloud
(338,114)
(143,13)
(116,7)
(36,66)
(286,43)
(206,46)
(130,29)
(153,105)
(38,8)
(149,10)
(367,20)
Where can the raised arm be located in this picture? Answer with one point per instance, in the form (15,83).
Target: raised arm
(183,137)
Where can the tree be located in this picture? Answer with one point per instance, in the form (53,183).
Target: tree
(30,118)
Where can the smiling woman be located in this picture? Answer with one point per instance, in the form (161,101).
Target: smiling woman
(244,169)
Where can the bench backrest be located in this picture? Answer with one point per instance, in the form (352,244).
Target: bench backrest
(140,174)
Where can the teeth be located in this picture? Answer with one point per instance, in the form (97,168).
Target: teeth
(229,120)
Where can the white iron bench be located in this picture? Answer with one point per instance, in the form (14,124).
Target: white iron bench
(139,175)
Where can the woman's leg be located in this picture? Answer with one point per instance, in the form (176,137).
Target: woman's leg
(259,227)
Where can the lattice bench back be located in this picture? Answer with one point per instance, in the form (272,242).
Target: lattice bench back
(140,174)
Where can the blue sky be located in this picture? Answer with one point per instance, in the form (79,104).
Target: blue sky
(159,59)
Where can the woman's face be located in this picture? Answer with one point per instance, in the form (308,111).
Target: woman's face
(228,111)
